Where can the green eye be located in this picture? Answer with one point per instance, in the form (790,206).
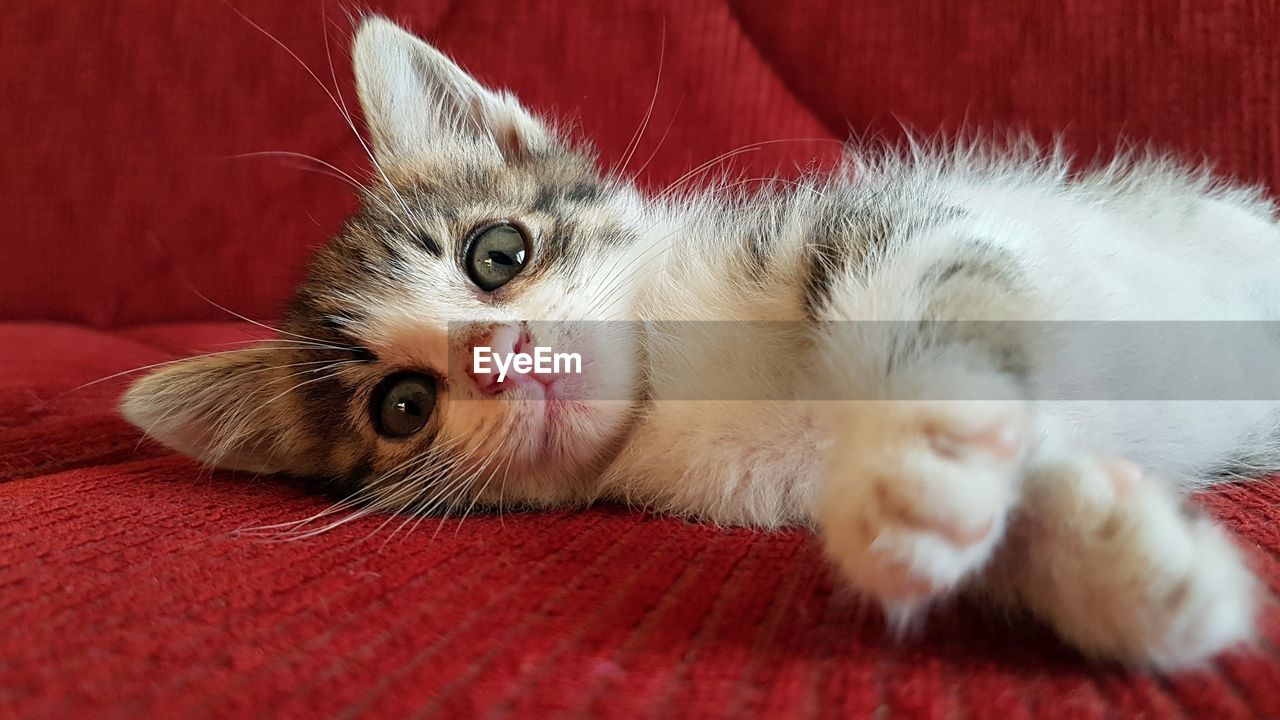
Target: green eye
(496,254)
(403,404)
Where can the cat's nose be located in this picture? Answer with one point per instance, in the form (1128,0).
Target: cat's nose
(504,357)
(483,351)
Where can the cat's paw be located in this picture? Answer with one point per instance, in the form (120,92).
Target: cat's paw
(1118,565)
(917,493)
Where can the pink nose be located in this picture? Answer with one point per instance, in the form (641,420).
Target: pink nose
(498,350)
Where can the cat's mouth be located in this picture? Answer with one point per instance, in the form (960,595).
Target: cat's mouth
(561,415)
(568,392)
(556,402)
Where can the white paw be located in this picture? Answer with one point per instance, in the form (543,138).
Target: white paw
(1123,571)
(917,494)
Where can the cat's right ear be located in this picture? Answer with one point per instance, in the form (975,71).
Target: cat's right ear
(418,103)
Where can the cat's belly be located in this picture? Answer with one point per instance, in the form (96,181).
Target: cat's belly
(1197,258)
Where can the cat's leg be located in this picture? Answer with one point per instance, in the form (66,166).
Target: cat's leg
(929,420)
(1120,567)
(917,492)
(936,432)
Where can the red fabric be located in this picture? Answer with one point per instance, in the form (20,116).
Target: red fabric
(123,588)
(126,591)
(119,194)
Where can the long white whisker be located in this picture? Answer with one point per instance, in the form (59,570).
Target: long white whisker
(418,508)
(634,144)
(670,123)
(475,497)
(264,326)
(613,283)
(790,183)
(332,98)
(343,174)
(415,487)
(740,150)
(469,464)
(375,490)
(293,344)
(502,486)
(463,485)
(356,499)
(670,189)
(152,366)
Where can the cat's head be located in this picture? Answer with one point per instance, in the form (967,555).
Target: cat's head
(481,221)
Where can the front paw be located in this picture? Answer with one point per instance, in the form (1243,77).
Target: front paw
(917,493)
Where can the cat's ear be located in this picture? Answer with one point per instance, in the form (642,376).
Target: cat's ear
(417,101)
(231,410)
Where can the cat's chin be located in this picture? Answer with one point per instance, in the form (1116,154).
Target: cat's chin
(567,444)
(561,425)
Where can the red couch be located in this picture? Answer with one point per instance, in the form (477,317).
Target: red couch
(124,590)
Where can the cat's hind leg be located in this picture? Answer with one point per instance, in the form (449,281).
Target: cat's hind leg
(1119,566)
(929,359)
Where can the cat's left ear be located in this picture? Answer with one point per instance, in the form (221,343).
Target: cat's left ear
(417,102)
(239,410)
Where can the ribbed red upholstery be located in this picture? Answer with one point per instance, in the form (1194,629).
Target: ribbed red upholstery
(125,590)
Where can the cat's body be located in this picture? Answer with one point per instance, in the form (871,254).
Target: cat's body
(891,355)
(1136,242)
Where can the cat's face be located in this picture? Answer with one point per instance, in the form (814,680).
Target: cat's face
(482,229)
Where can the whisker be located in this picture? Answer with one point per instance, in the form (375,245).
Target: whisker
(293,344)
(613,282)
(415,507)
(152,366)
(670,189)
(415,494)
(264,326)
(341,174)
(750,147)
(342,110)
(502,487)
(634,144)
(670,123)
(372,489)
(783,181)
(461,486)
(475,497)
(468,463)
(328,56)
(425,510)
(355,499)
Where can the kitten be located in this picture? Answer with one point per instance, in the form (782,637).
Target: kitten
(897,355)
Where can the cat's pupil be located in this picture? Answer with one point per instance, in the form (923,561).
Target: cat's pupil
(409,407)
(500,258)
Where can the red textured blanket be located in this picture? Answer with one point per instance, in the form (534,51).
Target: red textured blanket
(127,592)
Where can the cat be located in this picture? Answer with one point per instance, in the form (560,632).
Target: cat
(892,354)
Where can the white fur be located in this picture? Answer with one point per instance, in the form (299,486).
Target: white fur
(1138,240)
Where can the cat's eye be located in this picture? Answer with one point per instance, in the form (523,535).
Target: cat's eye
(403,404)
(495,254)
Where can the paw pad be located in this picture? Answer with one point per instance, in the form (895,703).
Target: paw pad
(1003,442)
(1124,475)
